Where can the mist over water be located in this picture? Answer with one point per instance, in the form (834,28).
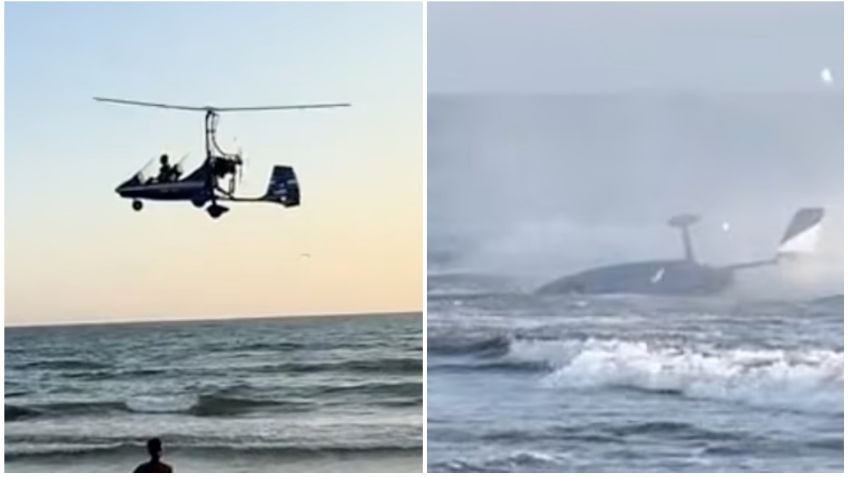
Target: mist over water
(539,185)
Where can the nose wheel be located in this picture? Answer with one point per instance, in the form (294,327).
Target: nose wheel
(137,205)
(216,210)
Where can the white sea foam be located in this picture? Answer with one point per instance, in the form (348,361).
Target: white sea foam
(808,380)
(161,404)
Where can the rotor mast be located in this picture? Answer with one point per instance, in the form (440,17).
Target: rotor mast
(209,127)
(683,222)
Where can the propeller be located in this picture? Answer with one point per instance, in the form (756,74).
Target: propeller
(240,160)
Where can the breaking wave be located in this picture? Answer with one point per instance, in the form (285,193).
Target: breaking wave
(805,380)
(226,402)
(24,450)
(802,380)
(514,462)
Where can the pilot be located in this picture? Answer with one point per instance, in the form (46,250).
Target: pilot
(166,171)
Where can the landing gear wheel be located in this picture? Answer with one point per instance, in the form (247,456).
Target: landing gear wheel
(137,205)
(216,210)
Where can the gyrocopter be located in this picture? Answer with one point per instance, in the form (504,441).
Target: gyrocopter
(214,180)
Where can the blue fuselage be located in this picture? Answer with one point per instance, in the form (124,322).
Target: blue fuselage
(660,277)
(196,186)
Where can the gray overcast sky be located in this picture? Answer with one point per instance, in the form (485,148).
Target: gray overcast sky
(580,47)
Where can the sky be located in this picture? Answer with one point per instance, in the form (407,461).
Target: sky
(562,136)
(75,251)
(572,47)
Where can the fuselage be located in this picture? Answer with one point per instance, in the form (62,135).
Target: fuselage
(182,190)
(658,277)
(686,276)
(195,186)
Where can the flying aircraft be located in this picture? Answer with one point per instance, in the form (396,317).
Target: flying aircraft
(686,276)
(203,185)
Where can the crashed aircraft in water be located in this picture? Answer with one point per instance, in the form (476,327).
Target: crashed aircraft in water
(686,276)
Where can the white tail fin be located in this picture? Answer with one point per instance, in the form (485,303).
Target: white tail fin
(800,238)
(802,235)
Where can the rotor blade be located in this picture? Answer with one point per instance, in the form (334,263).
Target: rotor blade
(213,108)
(293,106)
(155,105)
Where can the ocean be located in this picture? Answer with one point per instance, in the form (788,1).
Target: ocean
(317,394)
(525,383)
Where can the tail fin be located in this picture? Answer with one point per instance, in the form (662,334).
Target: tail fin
(802,235)
(283,187)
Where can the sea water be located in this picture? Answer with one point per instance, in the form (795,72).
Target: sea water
(522,382)
(318,394)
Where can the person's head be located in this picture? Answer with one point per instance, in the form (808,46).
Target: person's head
(154,448)
(163,159)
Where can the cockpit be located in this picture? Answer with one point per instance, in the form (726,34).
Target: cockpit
(162,169)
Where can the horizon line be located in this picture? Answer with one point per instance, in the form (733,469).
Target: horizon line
(217,318)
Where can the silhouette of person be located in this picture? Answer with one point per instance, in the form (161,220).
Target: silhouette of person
(154,448)
(166,171)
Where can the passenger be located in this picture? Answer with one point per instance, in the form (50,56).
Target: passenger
(154,465)
(166,171)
